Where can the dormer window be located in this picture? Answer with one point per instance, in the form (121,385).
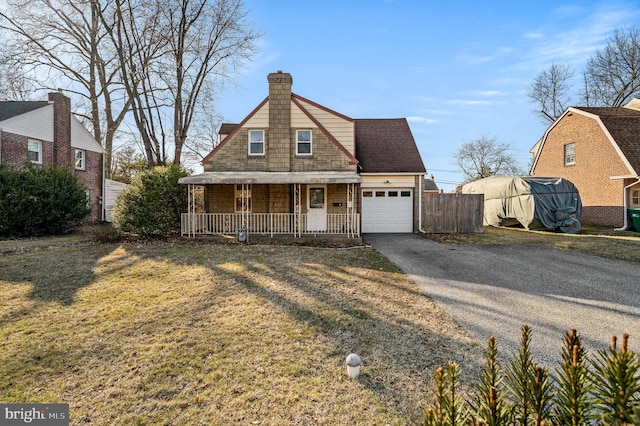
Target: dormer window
(303,142)
(256,142)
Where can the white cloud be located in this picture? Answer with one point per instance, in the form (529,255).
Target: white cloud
(476,59)
(424,120)
(489,93)
(575,44)
(469,102)
(534,35)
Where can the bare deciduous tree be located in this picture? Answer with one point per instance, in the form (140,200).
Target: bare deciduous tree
(173,59)
(484,157)
(161,60)
(127,164)
(14,84)
(63,43)
(135,30)
(612,76)
(550,91)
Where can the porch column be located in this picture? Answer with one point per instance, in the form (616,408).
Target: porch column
(350,208)
(297,210)
(191,210)
(244,215)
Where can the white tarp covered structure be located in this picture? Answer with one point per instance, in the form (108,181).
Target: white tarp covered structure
(534,202)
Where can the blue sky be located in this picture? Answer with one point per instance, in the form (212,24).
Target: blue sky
(457,70)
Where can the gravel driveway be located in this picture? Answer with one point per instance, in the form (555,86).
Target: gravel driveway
(494,289)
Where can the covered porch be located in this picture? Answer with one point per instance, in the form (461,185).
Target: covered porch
(290,204)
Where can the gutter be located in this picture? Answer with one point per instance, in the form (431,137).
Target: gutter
(420,179)
(626,203)
(103,196)
(420,206)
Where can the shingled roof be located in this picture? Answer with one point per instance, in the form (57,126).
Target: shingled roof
(386,145)
(383,145)
(226,128)
(10,109)
(624,126)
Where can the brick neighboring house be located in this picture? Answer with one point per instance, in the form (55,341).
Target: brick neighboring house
(598,149)
(46,132)
(294,167)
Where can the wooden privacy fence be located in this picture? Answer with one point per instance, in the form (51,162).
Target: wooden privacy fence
(453,213)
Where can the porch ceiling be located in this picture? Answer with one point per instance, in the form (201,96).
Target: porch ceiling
(271,177)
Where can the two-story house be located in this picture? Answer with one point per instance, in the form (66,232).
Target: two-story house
(294,167)
(598,150)
(46,132)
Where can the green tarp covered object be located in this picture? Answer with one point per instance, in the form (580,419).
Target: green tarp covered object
(534,202)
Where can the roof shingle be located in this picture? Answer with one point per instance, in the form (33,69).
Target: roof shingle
(386,145)
(624,126)
(10,109)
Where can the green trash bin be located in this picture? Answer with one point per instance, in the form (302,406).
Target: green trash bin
(634,215)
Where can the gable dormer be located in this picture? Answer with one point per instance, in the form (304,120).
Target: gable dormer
(286,133)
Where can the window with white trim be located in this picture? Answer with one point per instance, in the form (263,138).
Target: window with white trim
(79,156)
(243,198)
(303,142)
(635,197)
(256,142)
(34,151)
(570,154)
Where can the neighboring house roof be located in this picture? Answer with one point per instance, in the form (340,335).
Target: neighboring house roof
(35,119)
(386,145)
(10,109)
(623,125)
(430,185)
(226,128)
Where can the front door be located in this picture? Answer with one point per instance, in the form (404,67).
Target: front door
(317,211)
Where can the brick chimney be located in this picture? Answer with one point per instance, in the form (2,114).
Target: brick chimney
(62,151)
(279,136)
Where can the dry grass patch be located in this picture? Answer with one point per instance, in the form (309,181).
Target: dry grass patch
(598,241)
(192,333)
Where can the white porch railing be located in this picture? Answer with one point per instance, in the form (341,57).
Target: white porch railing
(192,224)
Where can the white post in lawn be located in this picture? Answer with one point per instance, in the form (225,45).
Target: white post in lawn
(353,365)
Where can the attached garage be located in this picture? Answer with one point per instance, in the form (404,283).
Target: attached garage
(392,174)
(387,210)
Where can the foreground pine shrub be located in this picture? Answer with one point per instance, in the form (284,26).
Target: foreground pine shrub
(573,404)
(449,408)
(519,378)
(617,384)
(488,399)
(524,393)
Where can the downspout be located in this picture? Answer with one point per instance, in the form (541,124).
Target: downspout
(103,199)
(0,144)
(420,204)
(625,203)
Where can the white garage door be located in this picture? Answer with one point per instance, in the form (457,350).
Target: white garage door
(387,210)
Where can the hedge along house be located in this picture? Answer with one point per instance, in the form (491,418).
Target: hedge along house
(296,168)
